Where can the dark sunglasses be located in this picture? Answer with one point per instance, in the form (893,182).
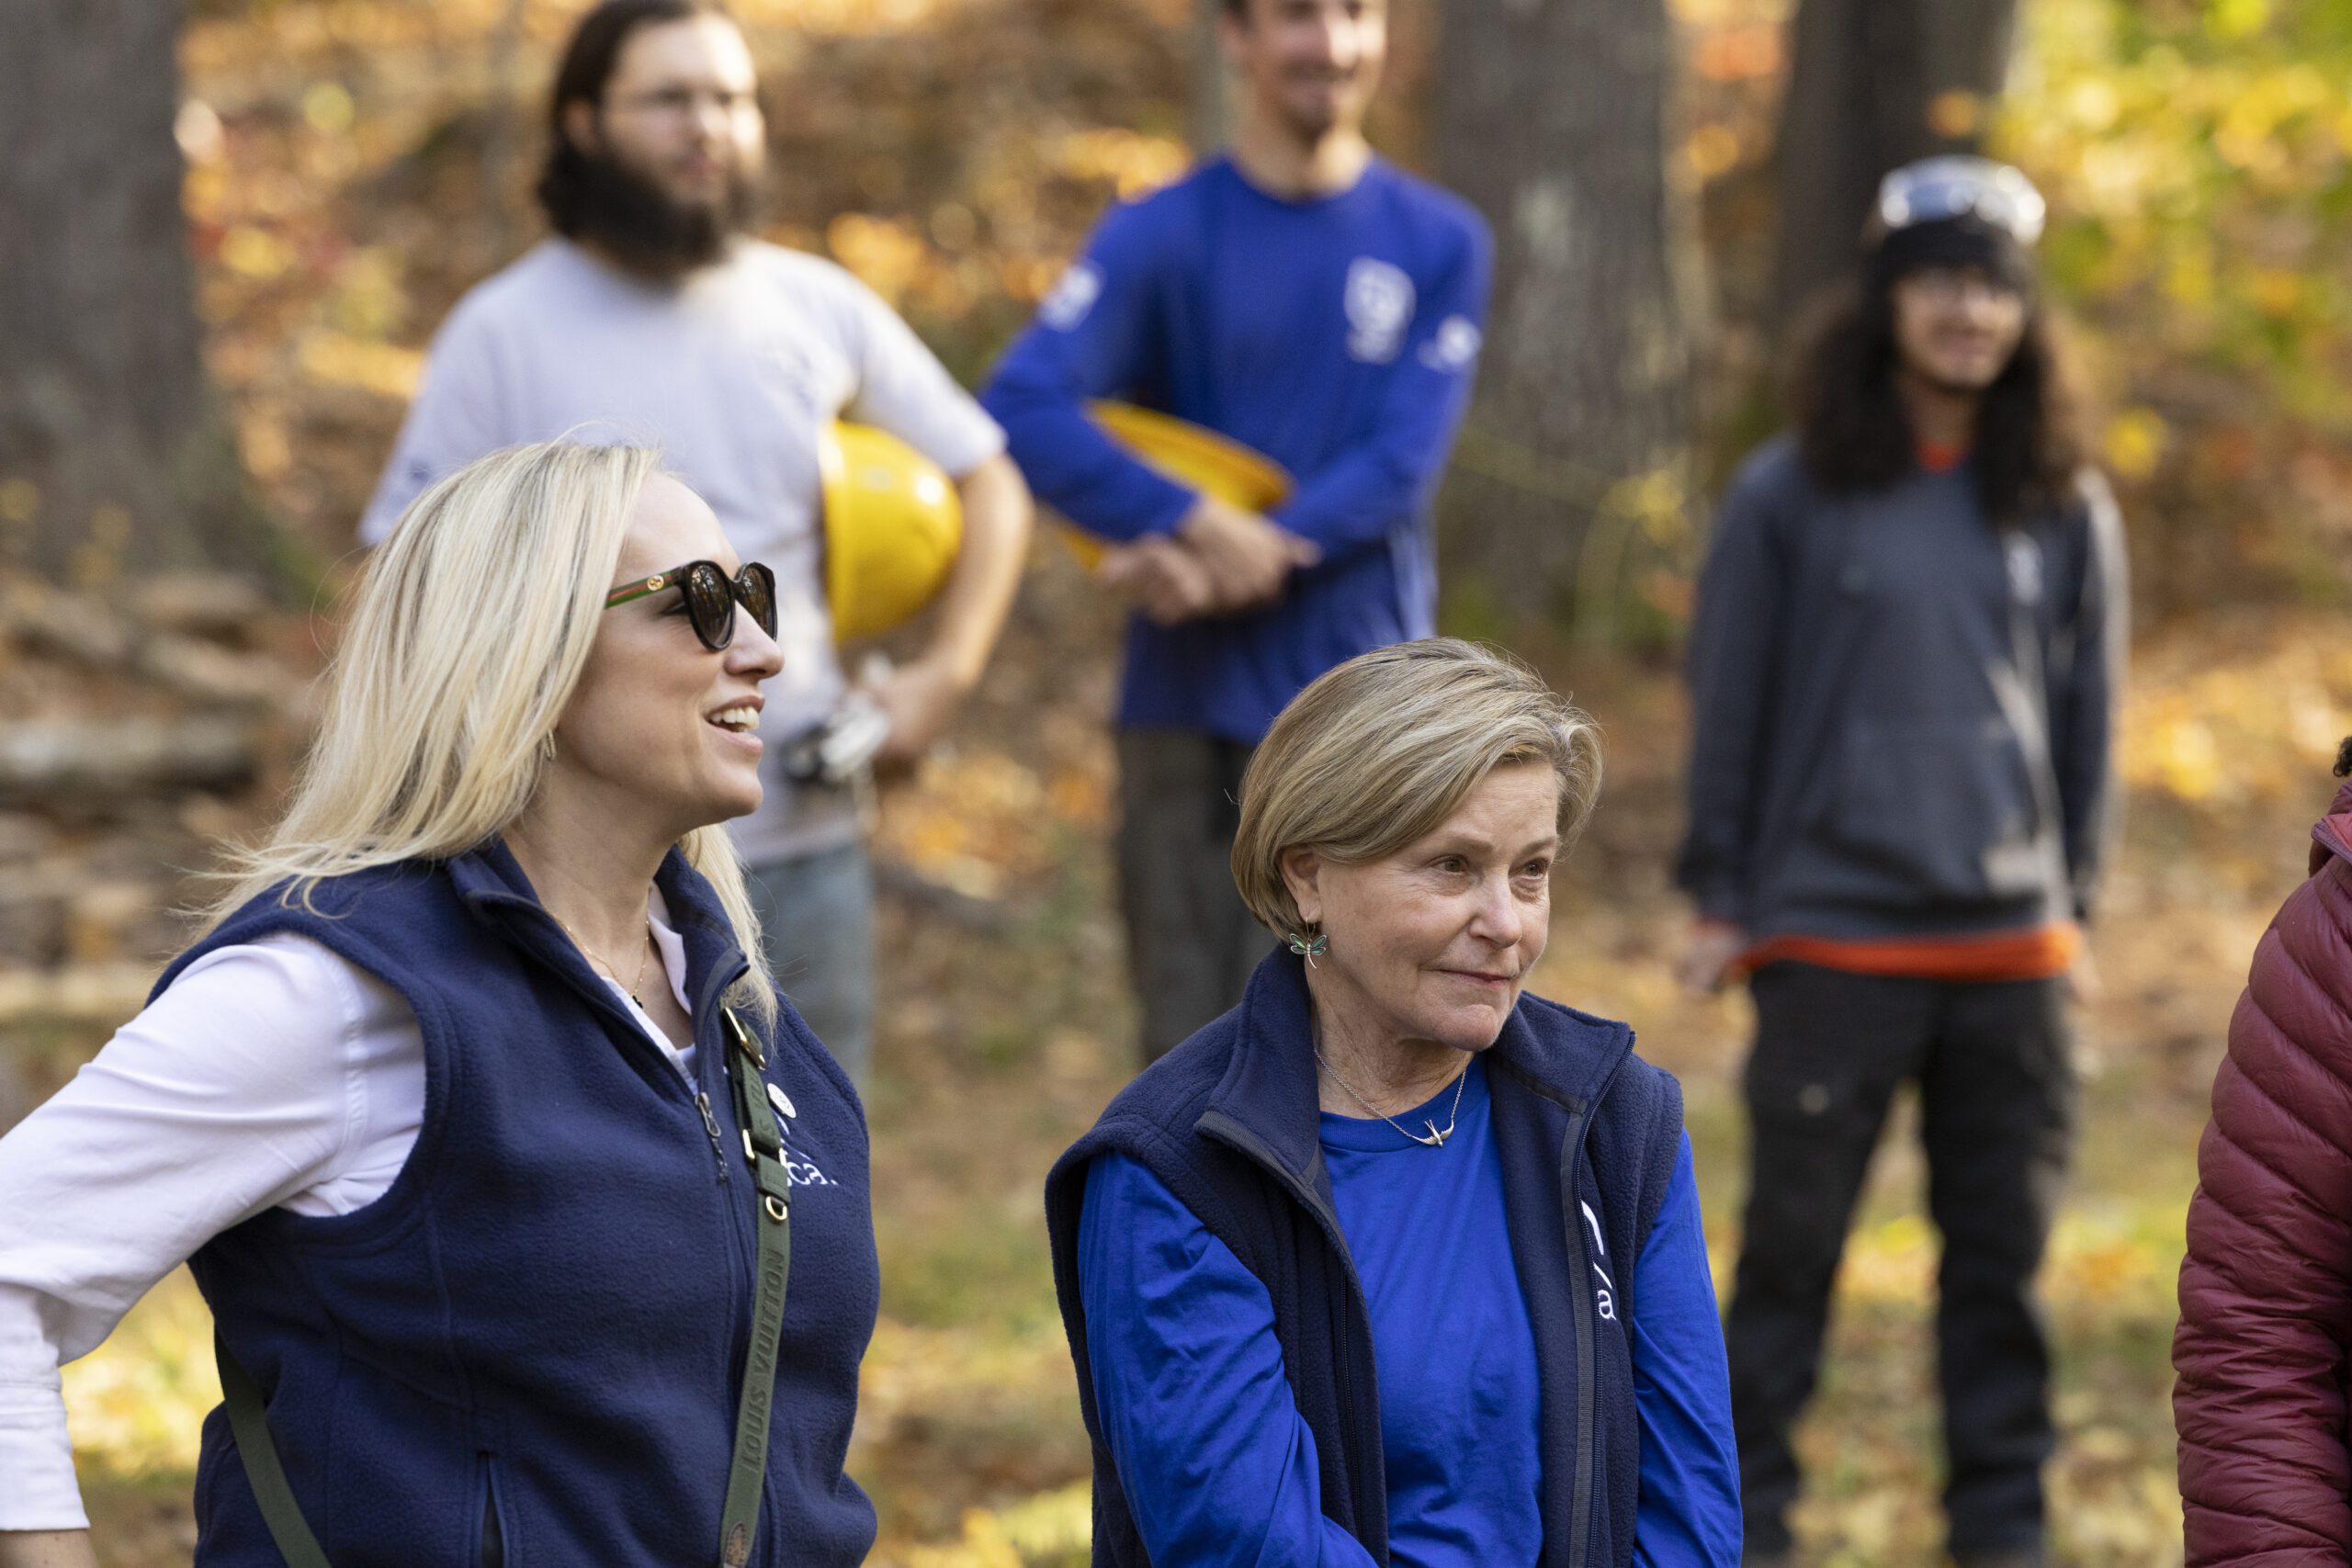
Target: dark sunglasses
(711,597)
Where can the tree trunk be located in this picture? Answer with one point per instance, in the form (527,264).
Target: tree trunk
(509,93)
(1552,117)
(1208,118)
(1875,84)
(113,454)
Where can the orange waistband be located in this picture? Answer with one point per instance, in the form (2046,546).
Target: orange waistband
(2032,954)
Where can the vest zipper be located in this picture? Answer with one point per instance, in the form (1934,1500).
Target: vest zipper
(1232,1133)
(594,991)
(1580,1270)
(710,1125)
(1580,1494)
(710,1054)
(742,1253)
(491,1550)
(714,1063)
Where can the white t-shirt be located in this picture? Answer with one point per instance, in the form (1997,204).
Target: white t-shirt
(733,372)
(271,1074)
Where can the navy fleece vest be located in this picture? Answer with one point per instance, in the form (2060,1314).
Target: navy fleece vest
(1228,1121)
(540,1326)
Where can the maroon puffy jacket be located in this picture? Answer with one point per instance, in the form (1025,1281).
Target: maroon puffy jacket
(2265,1291)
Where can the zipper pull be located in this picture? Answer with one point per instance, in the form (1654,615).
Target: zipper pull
(710,1125)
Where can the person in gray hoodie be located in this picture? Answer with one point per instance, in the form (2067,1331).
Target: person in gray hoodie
(1909,643)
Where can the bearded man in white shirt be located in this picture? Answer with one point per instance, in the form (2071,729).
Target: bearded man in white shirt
(652,317)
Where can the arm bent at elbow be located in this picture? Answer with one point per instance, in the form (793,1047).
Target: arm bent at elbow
(236,1086)
(1212,1454)
(921,697)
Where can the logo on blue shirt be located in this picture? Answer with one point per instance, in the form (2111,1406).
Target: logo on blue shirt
(1380,305)
(1454,347)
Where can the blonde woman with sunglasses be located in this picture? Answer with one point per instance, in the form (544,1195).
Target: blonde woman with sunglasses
(485,1138)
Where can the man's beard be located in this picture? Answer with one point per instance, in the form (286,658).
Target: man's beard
(642,225)
(1309,126)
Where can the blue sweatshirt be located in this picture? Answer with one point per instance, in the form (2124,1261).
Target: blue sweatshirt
(1902,714)
(1336,336)
(1219,1464)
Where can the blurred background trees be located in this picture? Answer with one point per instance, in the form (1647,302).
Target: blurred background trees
(351,166)
(1873,85)
(1667,179)
(1555,121)
(113,454)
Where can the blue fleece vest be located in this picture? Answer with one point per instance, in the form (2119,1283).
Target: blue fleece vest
(1228,1121)
(539,1329)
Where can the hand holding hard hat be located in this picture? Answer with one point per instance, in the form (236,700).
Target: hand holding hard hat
(1229,558)
(1194,457)
(1247,557)
(1160,578)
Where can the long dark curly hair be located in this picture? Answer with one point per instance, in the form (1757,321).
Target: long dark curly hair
(1854,433)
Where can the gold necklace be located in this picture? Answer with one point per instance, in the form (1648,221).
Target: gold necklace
(1438,1135)
(645,956)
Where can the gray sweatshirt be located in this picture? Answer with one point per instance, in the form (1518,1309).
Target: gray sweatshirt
(1901,714)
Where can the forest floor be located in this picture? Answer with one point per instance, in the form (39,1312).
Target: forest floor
(339,204)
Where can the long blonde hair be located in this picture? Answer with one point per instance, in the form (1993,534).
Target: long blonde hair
(468,631)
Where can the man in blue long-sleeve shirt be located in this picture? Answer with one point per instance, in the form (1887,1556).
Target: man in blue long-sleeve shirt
(1315,304)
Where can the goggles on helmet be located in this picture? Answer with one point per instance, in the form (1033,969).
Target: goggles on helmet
(1936,189)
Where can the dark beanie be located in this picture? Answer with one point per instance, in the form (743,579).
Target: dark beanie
(1963,242)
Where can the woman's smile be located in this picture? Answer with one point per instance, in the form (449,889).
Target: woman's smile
(738,723)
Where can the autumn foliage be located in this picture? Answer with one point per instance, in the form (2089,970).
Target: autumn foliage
(354,165)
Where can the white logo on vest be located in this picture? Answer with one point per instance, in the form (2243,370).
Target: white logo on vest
(797,1168)
(1380,305)
(1606,1289)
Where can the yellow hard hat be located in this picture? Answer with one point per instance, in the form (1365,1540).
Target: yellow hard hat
(893,524)
(1188,454)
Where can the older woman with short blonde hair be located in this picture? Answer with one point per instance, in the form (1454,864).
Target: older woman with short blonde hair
(1395,1262)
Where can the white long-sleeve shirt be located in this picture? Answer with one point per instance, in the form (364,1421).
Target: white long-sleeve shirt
(271,1074)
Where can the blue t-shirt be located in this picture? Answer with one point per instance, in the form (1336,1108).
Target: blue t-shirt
(1336,336)
(1219,1467)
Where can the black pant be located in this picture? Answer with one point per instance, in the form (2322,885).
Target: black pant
(1996,1093)
(1191,942)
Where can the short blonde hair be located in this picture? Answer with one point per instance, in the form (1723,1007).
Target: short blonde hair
(468,632)
(1385,748)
